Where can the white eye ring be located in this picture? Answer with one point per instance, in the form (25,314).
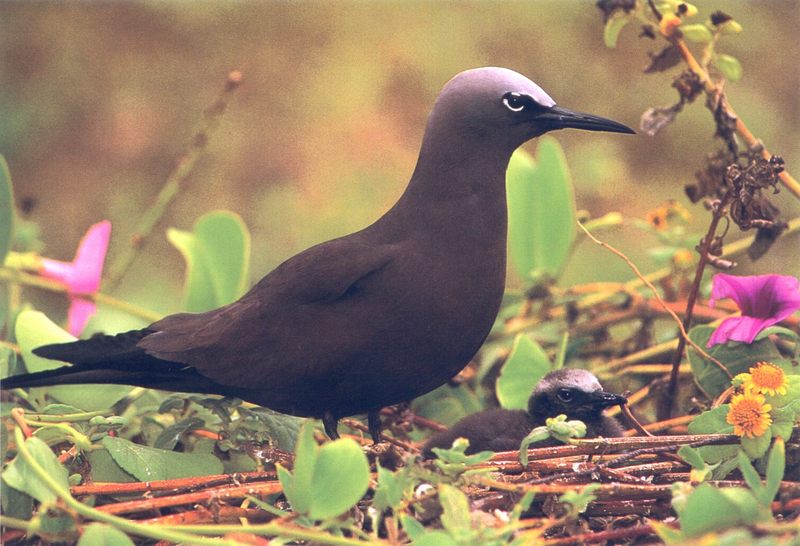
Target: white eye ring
(508,103)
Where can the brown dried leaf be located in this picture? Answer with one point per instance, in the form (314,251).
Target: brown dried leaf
(655,119)
(663,60)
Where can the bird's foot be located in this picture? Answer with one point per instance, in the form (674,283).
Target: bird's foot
(374,424)
(331,425)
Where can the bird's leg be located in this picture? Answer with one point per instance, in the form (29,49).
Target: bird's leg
(374,423)
(331,425)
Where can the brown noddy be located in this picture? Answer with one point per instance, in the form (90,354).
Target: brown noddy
(572,392)
(371,319)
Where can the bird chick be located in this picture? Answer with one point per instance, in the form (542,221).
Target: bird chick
(573,392)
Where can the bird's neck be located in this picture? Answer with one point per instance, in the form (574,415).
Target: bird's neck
(458,169)
(458,189)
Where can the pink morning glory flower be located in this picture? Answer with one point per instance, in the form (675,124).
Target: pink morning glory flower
(764,300)
(82,275)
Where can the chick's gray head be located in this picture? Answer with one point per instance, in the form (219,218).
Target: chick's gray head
(574,392)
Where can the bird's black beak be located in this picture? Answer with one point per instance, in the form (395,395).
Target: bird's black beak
(557,117)
(603,399)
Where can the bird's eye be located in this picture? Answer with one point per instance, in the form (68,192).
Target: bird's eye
(565,395)
(515,101)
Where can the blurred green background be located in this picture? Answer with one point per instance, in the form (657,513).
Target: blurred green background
(98,100)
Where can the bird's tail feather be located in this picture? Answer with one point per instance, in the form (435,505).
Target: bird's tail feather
(69,375)
(185,380)
(96,350)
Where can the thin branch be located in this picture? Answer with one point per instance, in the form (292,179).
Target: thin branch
(175,183)
(665,408)
(111,489)
(710,88)
(199,497)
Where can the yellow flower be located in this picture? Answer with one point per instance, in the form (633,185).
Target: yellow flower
(658,218)
(749,415)
(766,378)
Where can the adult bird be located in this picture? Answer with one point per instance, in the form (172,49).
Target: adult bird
(572,392)
(371,319)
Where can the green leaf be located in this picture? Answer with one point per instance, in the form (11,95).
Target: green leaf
(697,33)
(713,422)
(434,538)
(105,468)
(523,369)
(538,434)
(455,510)
(541,210)
(286,480)
(327,480)
(456,454)
(778,331)
(389,491)
(60,409)
(692,456)
(100,534)
(19,474)
(169,437)
(150,464)
(776,465)
(6,209)
(217,254)
(707,509)
(750,474)
(447,404)
(412,527)
(33,329)
(758,446)
(57,526)
(579,500)
(730,66)
(737,357)
(341,477)
(667,534)
(282,429)
(16,504)
(614,25)
(749,510)
(305,459)
(561,356)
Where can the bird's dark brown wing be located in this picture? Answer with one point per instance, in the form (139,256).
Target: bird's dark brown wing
(282,330)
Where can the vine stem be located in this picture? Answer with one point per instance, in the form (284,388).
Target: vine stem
(175,183)
(665,408)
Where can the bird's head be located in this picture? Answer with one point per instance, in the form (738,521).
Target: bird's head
(503,107)
(573,392)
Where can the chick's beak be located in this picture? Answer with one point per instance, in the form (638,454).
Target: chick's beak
(603,399)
